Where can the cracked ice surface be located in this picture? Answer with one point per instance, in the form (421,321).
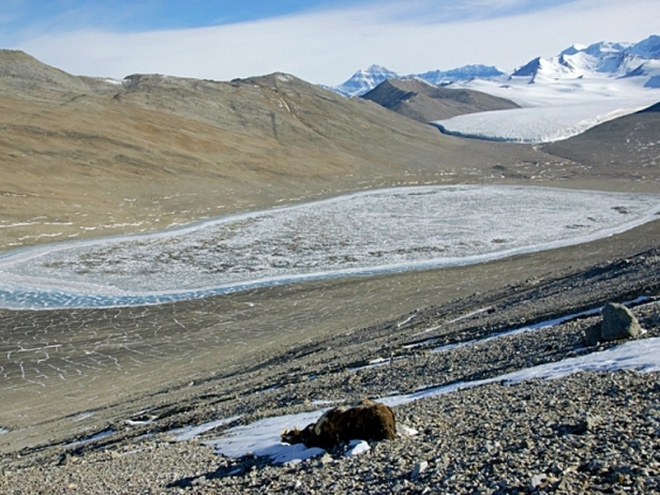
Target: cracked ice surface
(536,125)
(371,232)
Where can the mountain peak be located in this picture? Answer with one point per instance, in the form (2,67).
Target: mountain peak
(377,69)
(25,73)
(605,48)
(365,80)
(648,48)
(573,49)
(530,69)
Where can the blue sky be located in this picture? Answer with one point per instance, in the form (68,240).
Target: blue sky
(322,41)
(144,15)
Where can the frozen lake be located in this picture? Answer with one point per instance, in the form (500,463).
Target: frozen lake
(364,233)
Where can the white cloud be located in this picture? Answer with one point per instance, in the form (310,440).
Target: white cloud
(327,47)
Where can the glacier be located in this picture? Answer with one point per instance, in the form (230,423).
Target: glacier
(554,110)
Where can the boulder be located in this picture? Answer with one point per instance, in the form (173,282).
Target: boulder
(592,335)
(367,421)
(618,323)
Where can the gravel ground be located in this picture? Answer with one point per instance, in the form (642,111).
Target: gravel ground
(591,432)
(588,433)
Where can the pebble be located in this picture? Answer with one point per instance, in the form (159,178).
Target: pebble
(420,467)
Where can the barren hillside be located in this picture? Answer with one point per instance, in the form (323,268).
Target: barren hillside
(88,157)
(629,144)
(424,102)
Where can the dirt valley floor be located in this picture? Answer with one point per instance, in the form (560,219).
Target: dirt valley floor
(291,348)
(139,400)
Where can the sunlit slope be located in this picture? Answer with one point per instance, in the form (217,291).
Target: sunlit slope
(88,157)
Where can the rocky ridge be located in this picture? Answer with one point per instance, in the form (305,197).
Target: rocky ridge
(425,103)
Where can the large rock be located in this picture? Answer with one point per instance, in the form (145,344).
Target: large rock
(367,421)
(618,324)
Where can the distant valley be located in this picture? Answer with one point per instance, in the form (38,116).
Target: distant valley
(184,255)
(84,157)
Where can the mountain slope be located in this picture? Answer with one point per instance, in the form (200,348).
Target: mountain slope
(630,144)
(424,102)
(25,75)
(89,157)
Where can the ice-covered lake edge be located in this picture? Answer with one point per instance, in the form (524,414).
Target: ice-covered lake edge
(503,221)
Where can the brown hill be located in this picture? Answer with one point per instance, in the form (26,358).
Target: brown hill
(425,102)
(89,157)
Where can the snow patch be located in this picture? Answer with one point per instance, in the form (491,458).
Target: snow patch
(98,436)
(263,439)
(357,447)
(190,432)
(536,326)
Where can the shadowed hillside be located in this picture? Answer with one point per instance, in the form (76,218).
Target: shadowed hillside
(629,145)
(425,102)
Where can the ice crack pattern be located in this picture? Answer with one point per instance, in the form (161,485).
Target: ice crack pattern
(370,232)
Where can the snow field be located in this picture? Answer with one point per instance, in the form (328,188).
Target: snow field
(552,110)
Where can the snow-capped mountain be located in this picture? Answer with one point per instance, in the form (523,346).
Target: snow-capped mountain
(614,60)
(559,97)
(617,60)
(365,80)
(464,73)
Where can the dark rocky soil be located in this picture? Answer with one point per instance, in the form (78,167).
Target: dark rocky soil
(591,432)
